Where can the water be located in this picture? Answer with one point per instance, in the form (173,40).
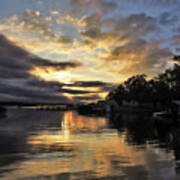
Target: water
(66,146)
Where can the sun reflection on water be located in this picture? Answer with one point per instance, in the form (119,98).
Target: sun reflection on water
(86,145)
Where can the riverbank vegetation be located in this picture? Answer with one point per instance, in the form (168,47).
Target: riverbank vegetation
(160,90)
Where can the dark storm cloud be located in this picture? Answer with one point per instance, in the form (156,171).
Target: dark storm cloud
(61,66)
(141,56)
(27,94)
(136,25)
(100,85)
(93,33)
(55,86)
(16,61)
(16,84)
(33,82)
(103,86)
(36,91)
(90,84)
(86,98)
(73,92)
(167,18)
(165,3)
(125,28)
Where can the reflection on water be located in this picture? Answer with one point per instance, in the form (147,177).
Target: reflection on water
(55,145)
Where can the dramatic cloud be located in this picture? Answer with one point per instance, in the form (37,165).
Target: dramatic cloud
(20,61)
(167,18)
(86,98)
(100,7)
(99,86)
(90,84)
(117,31)
(17,84)
(140,56)
(82,48)
(176,39)
(136,24)
(33,22)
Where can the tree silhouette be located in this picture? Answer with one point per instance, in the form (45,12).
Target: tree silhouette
(161,89)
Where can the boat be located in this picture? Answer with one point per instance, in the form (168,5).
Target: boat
(173,112)
(162,114)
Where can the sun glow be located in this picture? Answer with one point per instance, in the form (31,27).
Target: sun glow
(65,76)
(52,74)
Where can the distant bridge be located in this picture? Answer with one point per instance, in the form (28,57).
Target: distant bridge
(63,107)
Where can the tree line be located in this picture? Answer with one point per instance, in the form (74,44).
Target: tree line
(161,89)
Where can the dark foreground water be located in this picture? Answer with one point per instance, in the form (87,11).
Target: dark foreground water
(67,146)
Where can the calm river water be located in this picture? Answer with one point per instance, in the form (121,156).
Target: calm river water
(66,146)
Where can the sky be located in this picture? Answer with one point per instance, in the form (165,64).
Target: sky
(71,51)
